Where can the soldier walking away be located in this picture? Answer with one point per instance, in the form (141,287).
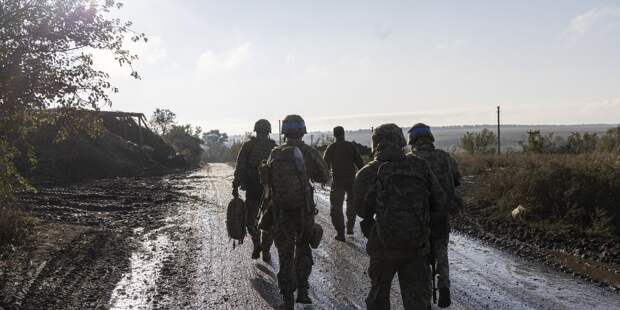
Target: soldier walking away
(343,159)
(291,167)
(401,203)
(446,170)
(251,155)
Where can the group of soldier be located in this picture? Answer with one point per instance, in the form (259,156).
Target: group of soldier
(404,201)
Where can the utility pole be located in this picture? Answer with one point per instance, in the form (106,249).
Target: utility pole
(499,143)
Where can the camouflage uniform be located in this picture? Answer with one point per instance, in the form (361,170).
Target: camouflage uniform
(447,172)
(343,159)
(292,230)
(251,155)
(411,264)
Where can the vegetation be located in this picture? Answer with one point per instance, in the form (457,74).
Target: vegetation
(14,227)
(162,121)
(217,150)
(46,62)
(576,143)
(483,142)
(577,193)
(186,141)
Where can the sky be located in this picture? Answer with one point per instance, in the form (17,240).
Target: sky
(225,64)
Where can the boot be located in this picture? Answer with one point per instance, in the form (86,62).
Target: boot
(266,256)
(288,301)
(444,298)
(302,296)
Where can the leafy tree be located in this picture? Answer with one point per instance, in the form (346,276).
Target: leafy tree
(578,143)
(162,120)
(214,138)
(185,139)
(610,141)
(543,143)
(483,142)
(46,62)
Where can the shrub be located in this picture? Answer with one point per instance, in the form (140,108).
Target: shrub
(14,226)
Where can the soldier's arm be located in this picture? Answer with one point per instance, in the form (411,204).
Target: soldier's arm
(364,192)
(456,174)
(242,165)
(328,156)
(320,173)
(357,158)
(439,206)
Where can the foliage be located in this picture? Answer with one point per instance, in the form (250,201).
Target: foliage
(46,62)
(216,148)
(14,226)
(162,120)
(186,141)
(576,193)
(576,143)
(483,142)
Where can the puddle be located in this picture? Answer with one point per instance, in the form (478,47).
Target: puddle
(137,288)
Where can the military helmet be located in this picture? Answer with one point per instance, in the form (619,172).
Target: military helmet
(388,133)
(263,126)
(419,131)
(338,131)
(293,126)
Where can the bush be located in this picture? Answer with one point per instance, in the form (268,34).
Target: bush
(579,193)
(186,141)
(14,227)
(483,142)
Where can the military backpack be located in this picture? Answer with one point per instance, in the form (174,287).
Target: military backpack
(288,178)
(236,220)
(403,215)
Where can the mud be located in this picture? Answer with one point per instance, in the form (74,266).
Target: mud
(160,243)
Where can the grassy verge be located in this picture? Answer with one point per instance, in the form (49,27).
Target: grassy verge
(14,227)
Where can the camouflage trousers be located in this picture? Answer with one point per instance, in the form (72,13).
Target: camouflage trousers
(336,198)
(440,248)
(252,203)
(414,276)
(292,239)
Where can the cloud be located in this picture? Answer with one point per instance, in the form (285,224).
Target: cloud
(581,24)
(149,53)
(228,60)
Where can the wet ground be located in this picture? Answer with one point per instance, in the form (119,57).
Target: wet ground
(166,246)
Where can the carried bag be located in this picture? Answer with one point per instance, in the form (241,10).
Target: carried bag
(236,220)
(403,219)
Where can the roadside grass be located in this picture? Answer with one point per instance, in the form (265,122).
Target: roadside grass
(575,194)
(14,227)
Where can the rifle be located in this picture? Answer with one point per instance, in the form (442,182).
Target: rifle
(432,261)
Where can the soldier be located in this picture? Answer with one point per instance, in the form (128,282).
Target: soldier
(445,168)
(344,160)
(251,155)
(401,203)
(292,166)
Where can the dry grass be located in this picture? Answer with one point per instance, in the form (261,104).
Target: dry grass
(567,192)
(14,226)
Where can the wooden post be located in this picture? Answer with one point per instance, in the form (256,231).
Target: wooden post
(499,141)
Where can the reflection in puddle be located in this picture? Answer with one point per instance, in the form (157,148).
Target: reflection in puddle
(137,288)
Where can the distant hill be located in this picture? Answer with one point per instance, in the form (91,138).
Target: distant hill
(447,137)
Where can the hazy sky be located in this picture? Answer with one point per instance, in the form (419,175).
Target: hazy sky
(224,64)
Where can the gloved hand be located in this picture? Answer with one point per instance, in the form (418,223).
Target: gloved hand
(235,190)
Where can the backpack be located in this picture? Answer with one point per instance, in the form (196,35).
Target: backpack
(403,215)
(236,220)
(288,178)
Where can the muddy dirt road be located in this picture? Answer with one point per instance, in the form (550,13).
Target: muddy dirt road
(181,258)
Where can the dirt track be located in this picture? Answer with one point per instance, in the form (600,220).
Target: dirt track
(167,248)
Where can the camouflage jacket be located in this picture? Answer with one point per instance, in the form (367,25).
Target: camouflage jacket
(343,159)
(364,200)
(445,169)
(251,155)
(315,165)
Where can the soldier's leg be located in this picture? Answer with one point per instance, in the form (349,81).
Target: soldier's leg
(351,214)
(303,263)
(336,198)
(285,244)
(414,276)
(252,206)
(381,272)
(265,245)
(443,271)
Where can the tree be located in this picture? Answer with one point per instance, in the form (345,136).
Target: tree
(185,139)
(162,120)
(483,142)
(46,62)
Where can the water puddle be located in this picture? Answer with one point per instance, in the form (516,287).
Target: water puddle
(138,287)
